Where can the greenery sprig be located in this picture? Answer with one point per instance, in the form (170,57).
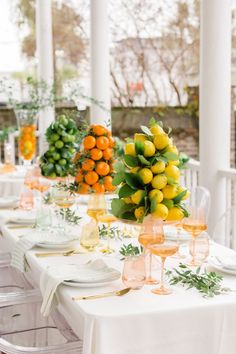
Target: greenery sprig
(114,232)
(130,250)
(70,216)
(207,283)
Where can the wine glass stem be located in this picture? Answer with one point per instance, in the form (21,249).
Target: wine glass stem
(149,257)
(108,235)
(193,260)
(162,272)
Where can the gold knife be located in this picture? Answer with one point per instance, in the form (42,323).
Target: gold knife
(111,293)
(20,226)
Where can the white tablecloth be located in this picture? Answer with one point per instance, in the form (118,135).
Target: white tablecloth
(141,322)
(11,183)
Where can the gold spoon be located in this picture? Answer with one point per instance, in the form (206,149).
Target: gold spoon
(52,254)
(111,293)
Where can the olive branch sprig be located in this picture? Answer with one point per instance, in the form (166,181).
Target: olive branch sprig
(208,284)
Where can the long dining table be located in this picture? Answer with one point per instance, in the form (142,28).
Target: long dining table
(139,322)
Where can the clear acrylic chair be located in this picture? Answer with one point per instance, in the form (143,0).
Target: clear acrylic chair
(24,330)
(224,231)
(10,278)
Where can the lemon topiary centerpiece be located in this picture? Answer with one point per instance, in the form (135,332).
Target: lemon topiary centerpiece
(149,177)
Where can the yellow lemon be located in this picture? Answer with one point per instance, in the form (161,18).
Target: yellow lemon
(181,189)
(159,181)
(156,129)
(174,163)
(175,214)
(134,169)
(140,137)
(169,192)
(160,212)
(127,200)
(130,149)
(138,196)
(146,175)
(156,194)
(149,148)
(158,167)
(139,212)
(172,148)
(172,172)
(161,141)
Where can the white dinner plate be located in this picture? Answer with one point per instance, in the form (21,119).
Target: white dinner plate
(88,285)
(62,245)
(215,264)
(8,202)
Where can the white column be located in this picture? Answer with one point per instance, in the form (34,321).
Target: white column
(44,44)
(99,58)
(215,100)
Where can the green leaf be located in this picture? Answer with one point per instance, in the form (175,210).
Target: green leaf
(185,211)
(171,181)
(118,178)
(133,180)
(179,197)
(119,166)
(139,147)
(131,161)
(153,205)
(146,130)
(116,206)
(168,203)
(143,160)
(129,215)
(125,191)
(152,122)
(171,156)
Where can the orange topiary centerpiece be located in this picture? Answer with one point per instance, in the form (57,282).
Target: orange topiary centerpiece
(94,162)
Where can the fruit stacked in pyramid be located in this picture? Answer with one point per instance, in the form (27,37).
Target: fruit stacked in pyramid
(94,162)
(149,177)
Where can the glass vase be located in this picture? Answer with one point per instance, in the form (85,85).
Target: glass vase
(27,124)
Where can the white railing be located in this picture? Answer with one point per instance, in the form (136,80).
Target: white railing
(190,177)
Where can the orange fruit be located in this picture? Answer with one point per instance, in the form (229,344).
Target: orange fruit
(83,188)
(99,130)
(102,142)
(96,154)
(79,177)
(111,142)
(108,184)
(109,133)
(88,165)
(89,142)
(102,168)
(107,154)
(98,187)
(91,177)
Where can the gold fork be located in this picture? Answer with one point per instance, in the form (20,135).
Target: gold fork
(53,254)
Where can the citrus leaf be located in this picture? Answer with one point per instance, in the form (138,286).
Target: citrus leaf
(162,158)
(171,156)
(126,191)
(171,181)
(118,178)
(139,147)
(146,130)
(133,180)
(119,166)
(116,206)
(128,215)
(131,161)
(143,160)
(168,203)
(180,196)
(153,205)
(152,122)
(185,211)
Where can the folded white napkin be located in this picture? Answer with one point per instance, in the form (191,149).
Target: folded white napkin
(227,262)
(17,217)
(30,240)
(52,277)
(8,202)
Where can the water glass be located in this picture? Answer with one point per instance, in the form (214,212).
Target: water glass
(43,217)
(134,272)
(26,199)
